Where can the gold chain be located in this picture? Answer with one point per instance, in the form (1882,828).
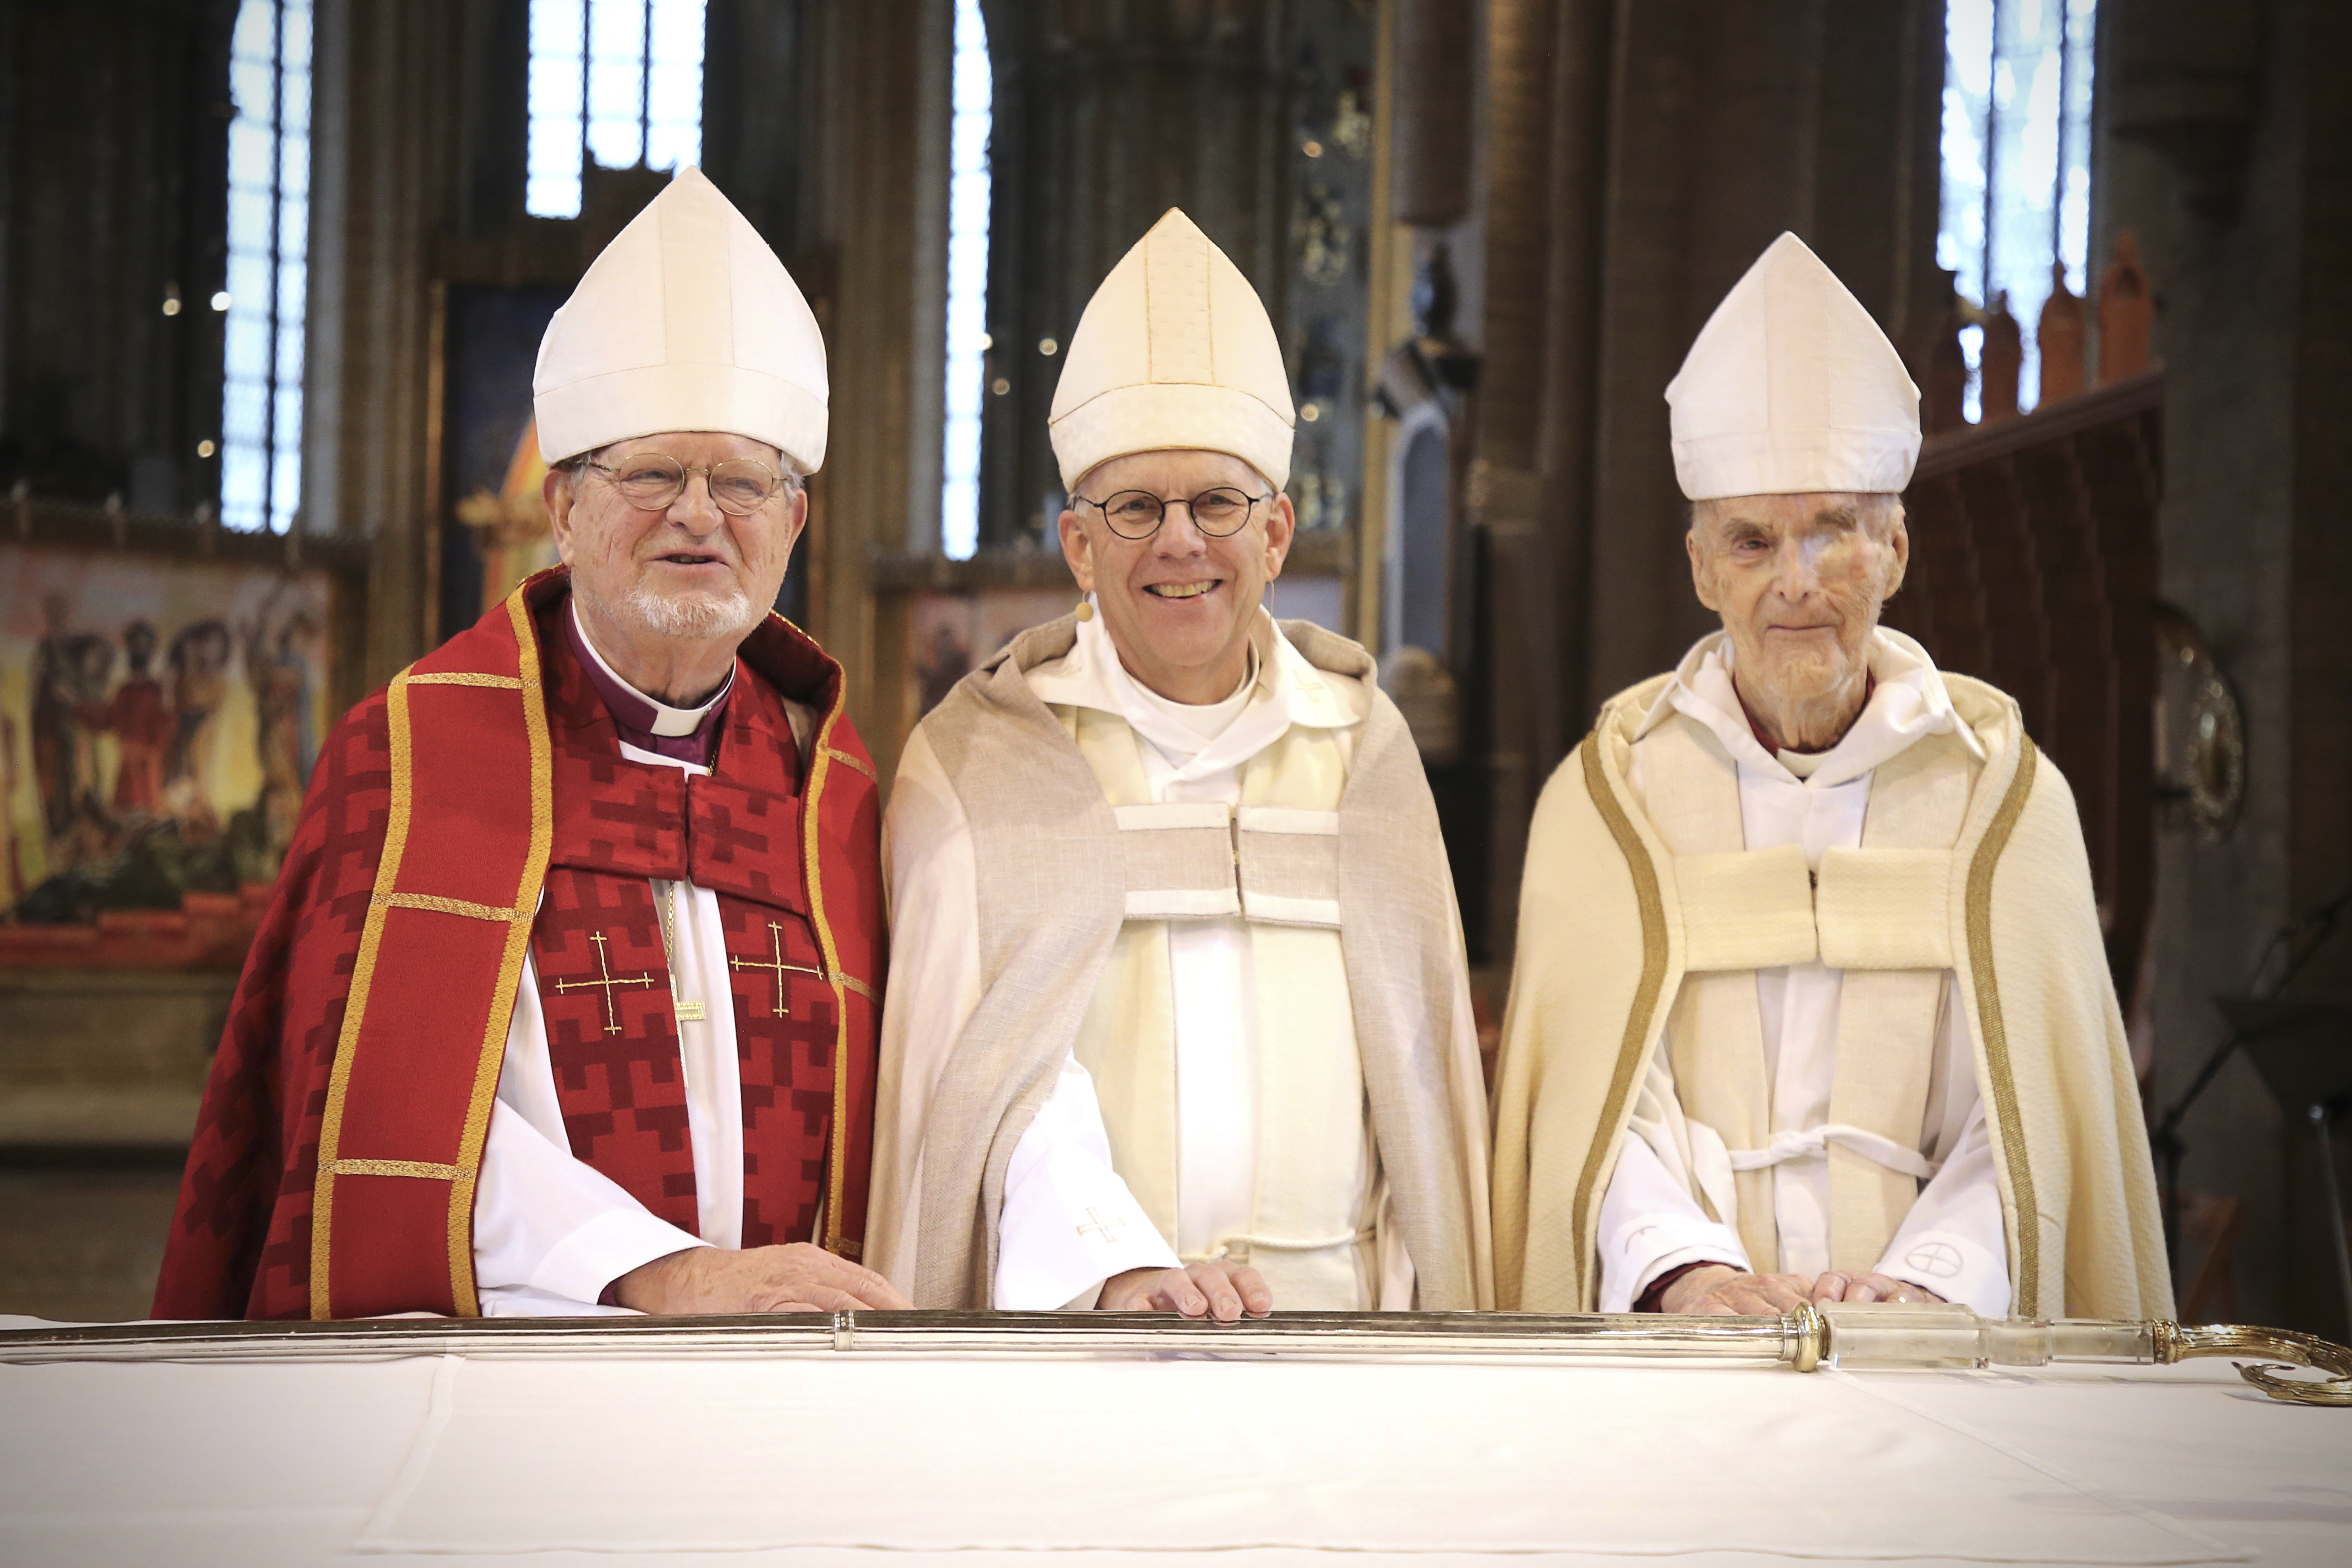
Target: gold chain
(687,1011)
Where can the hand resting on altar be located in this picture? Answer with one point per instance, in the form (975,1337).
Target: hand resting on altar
(1222,1290)
(1844,1285)
(1718,1289)
(794,1277)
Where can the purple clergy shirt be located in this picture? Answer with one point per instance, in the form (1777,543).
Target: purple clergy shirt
(636,716)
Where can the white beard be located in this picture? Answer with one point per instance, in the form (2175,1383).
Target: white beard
(695,617)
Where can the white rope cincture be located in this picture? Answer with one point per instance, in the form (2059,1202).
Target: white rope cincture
(1814,1143)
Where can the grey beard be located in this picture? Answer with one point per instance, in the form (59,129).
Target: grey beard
(691,617)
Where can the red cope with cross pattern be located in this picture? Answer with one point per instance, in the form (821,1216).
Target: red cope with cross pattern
(795,871)
(604,981)
(604,989)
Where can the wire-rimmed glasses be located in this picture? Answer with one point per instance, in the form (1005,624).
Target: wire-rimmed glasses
(652,481)
(1137,514)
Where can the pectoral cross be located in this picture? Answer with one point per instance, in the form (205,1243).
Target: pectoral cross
(1105,1229)
(687,1011)
(612,1018)
(776,935)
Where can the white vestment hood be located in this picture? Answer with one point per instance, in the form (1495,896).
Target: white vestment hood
(1175,352)
(1790,388)
(686,321)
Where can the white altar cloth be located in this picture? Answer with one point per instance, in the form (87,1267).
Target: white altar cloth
(819,1458)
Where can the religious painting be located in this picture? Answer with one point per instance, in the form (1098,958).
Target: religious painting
(158,718)
(947,634)
(496,532)
(1318,598)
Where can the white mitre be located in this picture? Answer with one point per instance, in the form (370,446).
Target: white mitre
(688,321)
(1791,389)
(1174,353)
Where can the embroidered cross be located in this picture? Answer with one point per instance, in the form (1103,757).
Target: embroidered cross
(1107,1230)
(611,1019)
(776,935)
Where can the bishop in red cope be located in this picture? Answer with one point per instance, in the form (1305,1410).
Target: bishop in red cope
(566,1000)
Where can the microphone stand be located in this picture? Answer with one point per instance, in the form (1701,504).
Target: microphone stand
(2302,938)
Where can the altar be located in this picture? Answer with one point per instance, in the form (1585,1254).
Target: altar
(817,1440)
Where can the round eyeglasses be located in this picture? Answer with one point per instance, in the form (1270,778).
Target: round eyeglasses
(651,481)
(1137,514)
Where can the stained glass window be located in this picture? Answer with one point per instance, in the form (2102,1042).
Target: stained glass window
(2017,162)
(268,252)
(616,81)
(972,104)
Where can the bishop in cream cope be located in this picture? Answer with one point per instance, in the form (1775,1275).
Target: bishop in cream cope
(1176,978)
(1811,1000)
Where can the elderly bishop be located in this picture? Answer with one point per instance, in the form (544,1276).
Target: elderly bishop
(566,998)
(1179,1018)
(1811,1000)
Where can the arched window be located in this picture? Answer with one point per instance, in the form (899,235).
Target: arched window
(268,250)
(616,81)
(2017,162)
(967,331)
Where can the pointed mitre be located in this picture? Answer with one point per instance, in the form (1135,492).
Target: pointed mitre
(1175,351)
(1791,387)
(686,321)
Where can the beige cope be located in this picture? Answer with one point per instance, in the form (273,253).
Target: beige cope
(1639,925)
(1340,872)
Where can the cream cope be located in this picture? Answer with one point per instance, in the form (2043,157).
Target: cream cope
(1212,1087)
(1712,1053)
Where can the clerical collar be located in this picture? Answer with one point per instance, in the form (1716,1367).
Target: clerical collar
(1800,763)
(1284,689)
(1180,731)
(680,734)
(1202,721)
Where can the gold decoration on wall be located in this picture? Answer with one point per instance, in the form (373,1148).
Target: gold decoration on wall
(2200,732)
(512,531)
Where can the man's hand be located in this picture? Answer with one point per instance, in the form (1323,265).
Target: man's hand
(1839,1285)
(1222,1290)
(794,1277)
(1720,1289)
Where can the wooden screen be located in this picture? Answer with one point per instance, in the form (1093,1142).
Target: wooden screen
(2033,566)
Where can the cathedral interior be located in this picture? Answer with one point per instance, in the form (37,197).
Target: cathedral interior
(273,273)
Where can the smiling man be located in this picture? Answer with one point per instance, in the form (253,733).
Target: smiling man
(566,1000)
(1811,1000)
(1179,1018)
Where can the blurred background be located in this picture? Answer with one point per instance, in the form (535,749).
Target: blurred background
(273,274)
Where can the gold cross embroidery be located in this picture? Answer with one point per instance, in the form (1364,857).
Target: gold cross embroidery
(1105,1229)
(611,1019)
(776,935)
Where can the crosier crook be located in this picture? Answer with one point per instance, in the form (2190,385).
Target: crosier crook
(1837,1334)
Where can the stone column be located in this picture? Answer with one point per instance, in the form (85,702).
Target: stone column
(880,148)
(387,109)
